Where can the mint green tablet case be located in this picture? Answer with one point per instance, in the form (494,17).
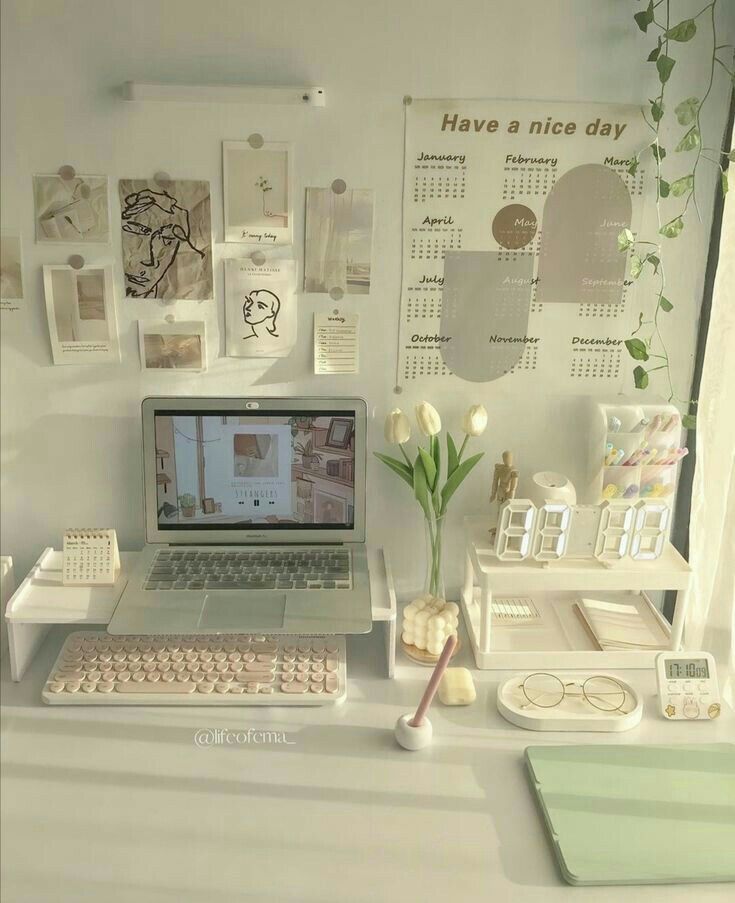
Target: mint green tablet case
(638,814)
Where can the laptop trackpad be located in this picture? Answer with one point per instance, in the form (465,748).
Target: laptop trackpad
(243,612)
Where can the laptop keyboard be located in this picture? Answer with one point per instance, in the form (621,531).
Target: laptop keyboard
(250,569)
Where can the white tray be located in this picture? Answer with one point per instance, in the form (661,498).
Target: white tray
(573,714)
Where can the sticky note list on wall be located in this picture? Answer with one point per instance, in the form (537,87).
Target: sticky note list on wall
(336,342)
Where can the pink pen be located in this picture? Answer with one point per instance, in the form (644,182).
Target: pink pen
(415,732)
(670,423)
(655,425)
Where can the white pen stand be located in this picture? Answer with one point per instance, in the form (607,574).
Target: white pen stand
(556,637)
(42,600)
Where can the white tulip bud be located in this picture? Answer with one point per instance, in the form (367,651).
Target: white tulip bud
(475,420)
(428,419)
(397,428)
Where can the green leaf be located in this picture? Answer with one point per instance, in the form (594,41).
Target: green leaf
(723,182)
(682,186)
(437,455)
(625,240)
(664,65)
(663,188)
(657,111)
(654,261)
(636,266)
(672,228)
(653,55)
(665,304)
(636,349)
(453,483)
(420,486)
(429,467)
(689,141)
(643,19)
(658,152)
(452,456)
(689,421)
(403,470)
(682,32)
(686,111)
(633,168)
(640,378)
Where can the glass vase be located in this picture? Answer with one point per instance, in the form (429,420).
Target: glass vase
(434,583)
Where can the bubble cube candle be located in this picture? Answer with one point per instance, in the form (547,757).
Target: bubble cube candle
(428,622)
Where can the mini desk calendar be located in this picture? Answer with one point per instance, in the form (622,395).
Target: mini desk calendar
(542,191)
(91,557)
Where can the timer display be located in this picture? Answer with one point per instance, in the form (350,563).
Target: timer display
(687,669)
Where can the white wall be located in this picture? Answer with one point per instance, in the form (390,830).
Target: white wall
(71,435)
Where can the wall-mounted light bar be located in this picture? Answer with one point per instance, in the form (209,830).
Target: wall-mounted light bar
(310,96)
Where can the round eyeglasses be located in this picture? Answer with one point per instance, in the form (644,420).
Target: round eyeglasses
(548,691)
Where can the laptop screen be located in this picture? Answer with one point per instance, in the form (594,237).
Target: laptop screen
(264,470)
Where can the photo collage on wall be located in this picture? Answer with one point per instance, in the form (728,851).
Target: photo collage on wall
(167,257)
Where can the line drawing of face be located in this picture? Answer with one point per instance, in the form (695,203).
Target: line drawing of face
(261,306)
(158,216)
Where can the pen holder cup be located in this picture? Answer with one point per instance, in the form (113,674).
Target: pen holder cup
(658,481)
(620,483)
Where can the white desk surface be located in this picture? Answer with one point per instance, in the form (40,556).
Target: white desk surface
(120,805)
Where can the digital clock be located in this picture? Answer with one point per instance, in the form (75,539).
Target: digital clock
(687,686)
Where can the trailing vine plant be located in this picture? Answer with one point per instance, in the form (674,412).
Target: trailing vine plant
(647,344)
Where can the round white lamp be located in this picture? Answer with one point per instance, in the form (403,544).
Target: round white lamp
(548,486)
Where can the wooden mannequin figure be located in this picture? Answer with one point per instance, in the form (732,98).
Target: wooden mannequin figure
(505,484)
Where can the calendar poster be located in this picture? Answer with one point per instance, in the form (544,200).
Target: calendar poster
(511,269)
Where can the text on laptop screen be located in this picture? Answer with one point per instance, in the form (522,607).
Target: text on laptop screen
(264,470)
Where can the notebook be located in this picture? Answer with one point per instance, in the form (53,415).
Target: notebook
(638,814)
(616,625)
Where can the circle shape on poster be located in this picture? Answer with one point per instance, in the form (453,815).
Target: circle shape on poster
(336,293)
(76,261)
(67,172)
(258,258)
(339,186)
(256,141)
(160,178)
(514,226)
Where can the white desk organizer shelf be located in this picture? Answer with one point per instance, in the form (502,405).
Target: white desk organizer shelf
(543,628)
(619,435)
(42,601)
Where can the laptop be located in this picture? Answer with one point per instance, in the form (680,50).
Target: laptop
(254,518)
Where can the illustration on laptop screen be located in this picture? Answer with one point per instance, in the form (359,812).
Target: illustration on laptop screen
(282,470)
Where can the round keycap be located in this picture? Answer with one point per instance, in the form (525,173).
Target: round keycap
(88,687)
(303,657)
(205,688)
(104,667)
(317,666)
(134,667)
(211,678)
(221,667)
(302,678)
(116,647)
(93,676)
(105,688)
(266,690)
(72,686)
(222,688)
(318,646)
(207,667)
(148,657)
(317,678)
(168,677)
(163,667)
(55,686)
(205,656)
(331,647)
(290,649)
(304,647)
(108,677)
(105,656)
(178,667)
(236,688)
(158,646)
(162,656)
(134,656)
(287,678)
(183,677)
(123,676)
(153,676)
(303,666)
(138,676)
(248,657)
(317,688)
(196,677)
(119,657)
(193,666)
(177,656)
(236,666)
(229,648)
(149,667)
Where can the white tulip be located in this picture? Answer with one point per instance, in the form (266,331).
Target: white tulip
(428,419)
(397,427)
(475,420)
